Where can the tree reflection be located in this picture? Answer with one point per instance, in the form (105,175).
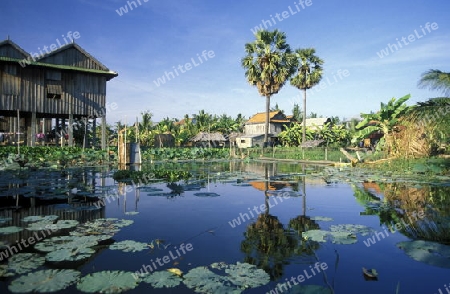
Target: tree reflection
(269,245)
(420,212)
(303,223)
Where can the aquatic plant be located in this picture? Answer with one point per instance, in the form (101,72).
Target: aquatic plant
(233,278)
(431,253)
(129,246)
(10,230)
(44,281)
(22,263)
(107,282)
(162,279)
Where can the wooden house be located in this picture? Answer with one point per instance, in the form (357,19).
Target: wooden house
(65,84)
(254,129)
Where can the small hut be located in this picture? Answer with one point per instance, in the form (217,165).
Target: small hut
(205,139)
(164,140)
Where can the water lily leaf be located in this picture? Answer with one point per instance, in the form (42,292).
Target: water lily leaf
(69,254)
(351,228)
(40,218)
(5,272)
(44,281)
(107,282)
(129,246)
(22,263)
(431,253)
(10,230)
(41,226)
(66,242)
(66,224)
(322,218)
(316,235)
(246,275)
(202,280)
(101,226)
(131,212)
(162,279)
(206,194)
(343,238)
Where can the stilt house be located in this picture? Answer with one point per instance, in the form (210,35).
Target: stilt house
(65,84)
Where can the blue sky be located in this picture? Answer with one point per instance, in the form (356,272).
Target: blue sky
(148,41)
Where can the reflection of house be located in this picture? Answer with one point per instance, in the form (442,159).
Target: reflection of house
(65,84)
(254,129)
(269,186)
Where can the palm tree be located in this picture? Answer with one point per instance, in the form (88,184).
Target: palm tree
(268,65)
(435,79)
(308,75)
(145,127)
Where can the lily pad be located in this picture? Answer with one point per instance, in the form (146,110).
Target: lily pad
(322,218)
(10,230)
(129,246)
(206,194)
(235,278)
(351,228)
(246,275)
(162,279)
(131,212)
(431,253)
(107,282)
(202,280)
(66,242)
(69,254)
(316,235)
(40,218)
(41,226)
(44,281)
(22,263)
(101,226)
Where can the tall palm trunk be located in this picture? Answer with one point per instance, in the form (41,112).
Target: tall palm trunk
(266,131)
(304,117)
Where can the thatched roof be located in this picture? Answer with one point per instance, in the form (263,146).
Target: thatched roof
(312,143)
(205,137)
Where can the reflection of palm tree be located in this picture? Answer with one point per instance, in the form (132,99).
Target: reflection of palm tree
(303,223)
(268,245)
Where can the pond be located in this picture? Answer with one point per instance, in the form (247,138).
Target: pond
(233,227)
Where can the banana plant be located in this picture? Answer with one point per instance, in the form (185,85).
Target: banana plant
(385,121)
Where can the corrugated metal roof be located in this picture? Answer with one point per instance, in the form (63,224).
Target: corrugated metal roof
(30,62)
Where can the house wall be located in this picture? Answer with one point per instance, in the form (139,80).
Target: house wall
(244,142)
(82,94)
(255,129)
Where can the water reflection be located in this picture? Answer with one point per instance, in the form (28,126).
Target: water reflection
(270,245)
(423,210)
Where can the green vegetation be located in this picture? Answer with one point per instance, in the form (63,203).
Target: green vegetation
(308,75)
(153,154)
(268,65)
(42,156)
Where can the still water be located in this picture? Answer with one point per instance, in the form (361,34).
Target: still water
(255,213)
